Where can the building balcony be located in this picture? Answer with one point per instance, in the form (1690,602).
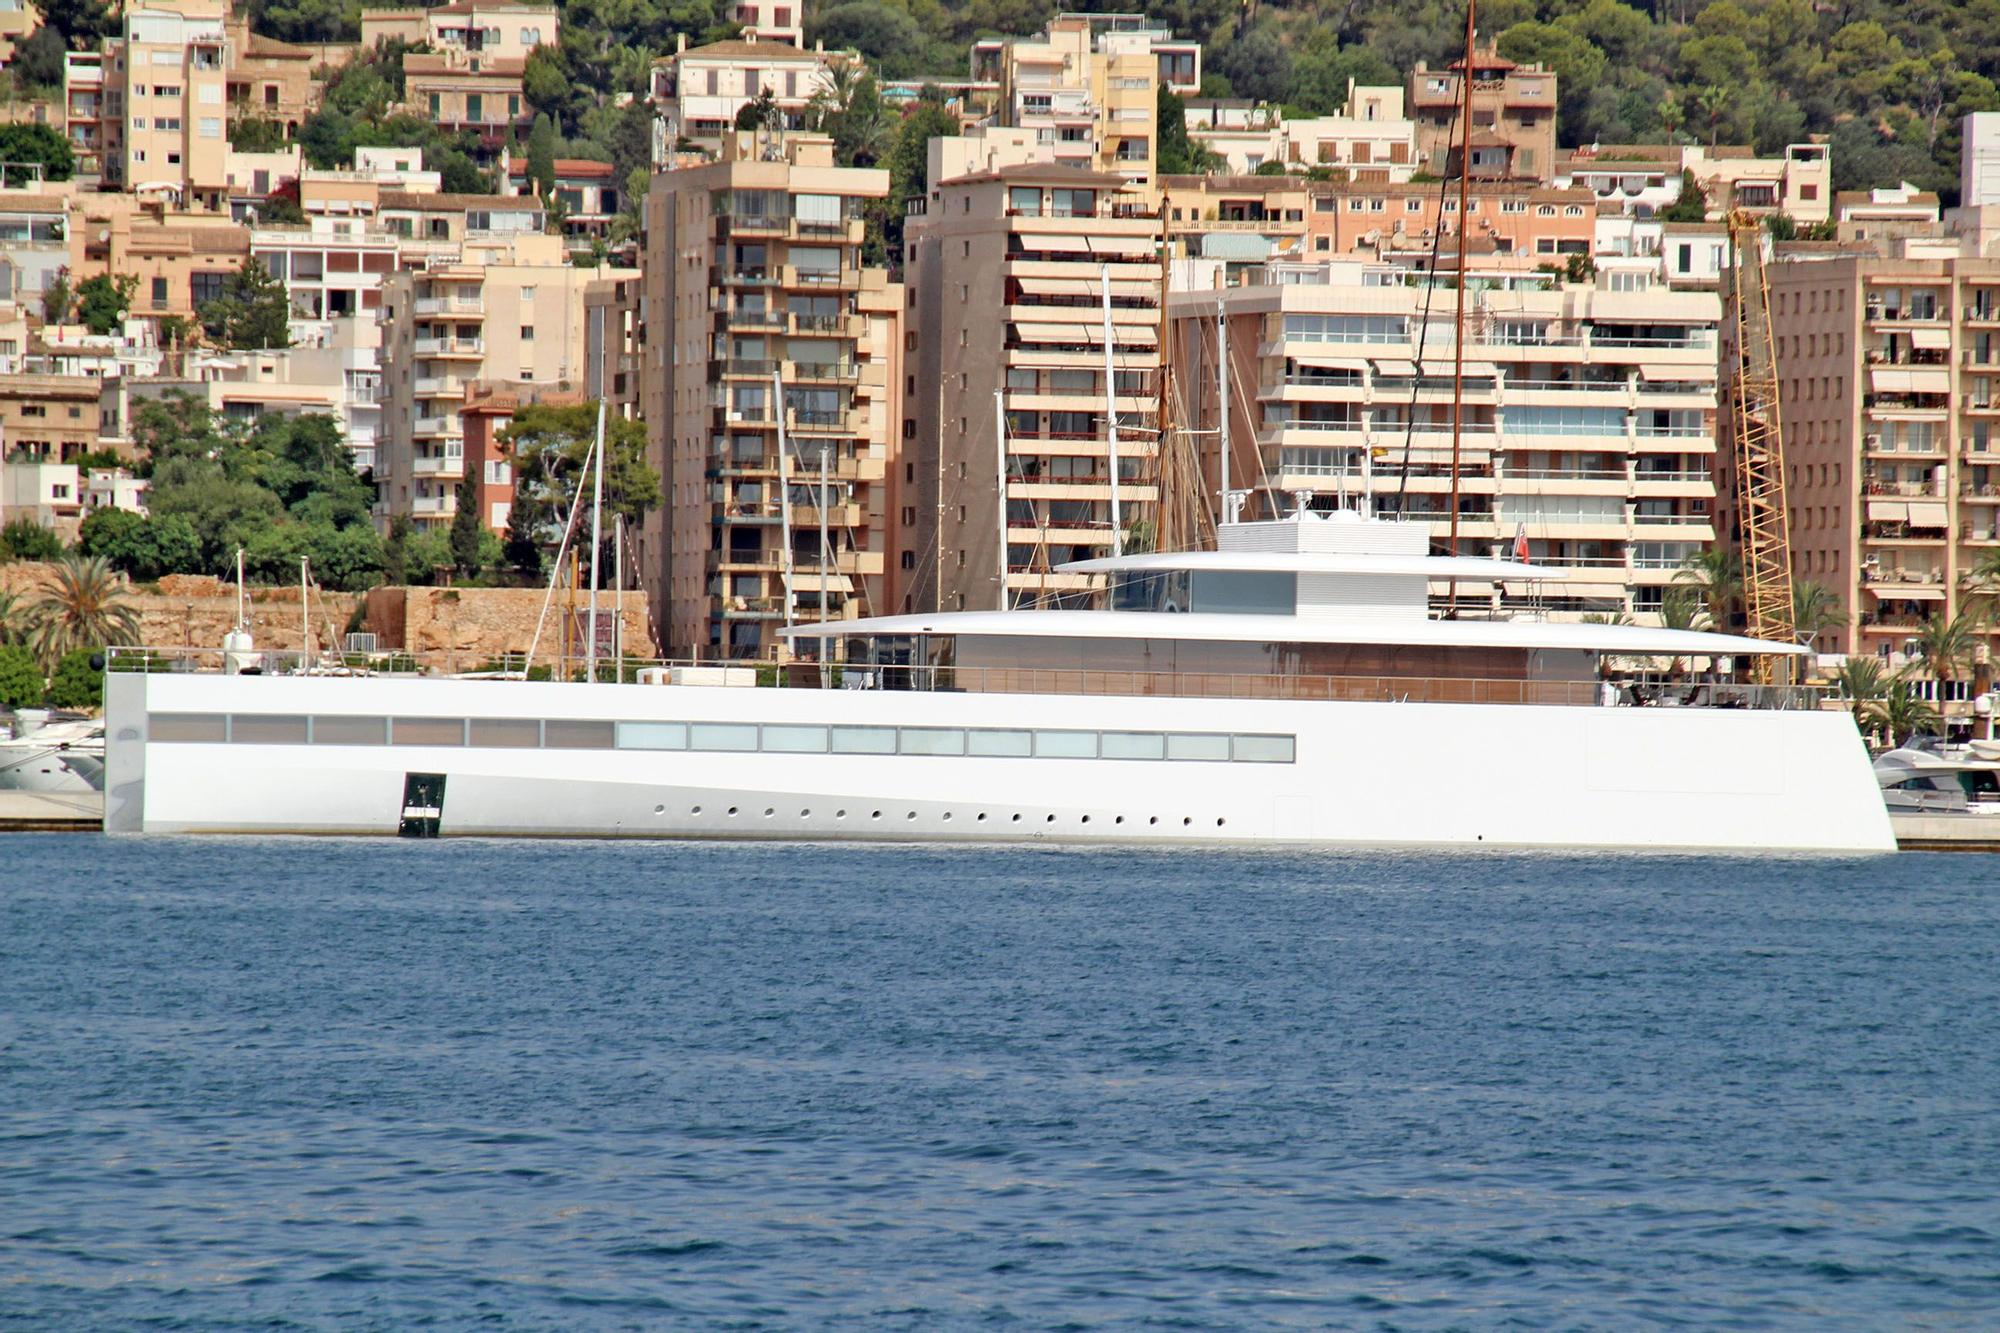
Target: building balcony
(738,367)
(832,279)
(435,386)
(456,348)
(437,467)
(454,306)
(434,506)
(437,426)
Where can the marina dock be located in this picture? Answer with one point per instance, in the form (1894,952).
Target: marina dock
(46,812)
(1945,833)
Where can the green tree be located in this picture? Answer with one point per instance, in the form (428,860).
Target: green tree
(1691,205)
(81,22)
(20,678)
(22,145)
(25,539)
(467,553)
(542,156)
(84,604)
(58,297)
(101,301)
(141,547)
(549,446)
(396,552)
(253,312)
(39,60)
(13,618)
(1718,573)
(760,113)
(76,683)
(1947,644)
(1902,712)
(909,160)
(1860,683)
(1815,610)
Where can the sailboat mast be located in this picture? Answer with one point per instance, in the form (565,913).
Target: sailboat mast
(784,490)
(1111,413)
(596,510)
(1000,487)
(1464,240)
(1222,392)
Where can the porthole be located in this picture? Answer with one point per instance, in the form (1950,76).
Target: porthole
(1017,819)
(876,815)
(1219,823)
(911,815)
(947,816)
(1086,819)
(695,811)
(769,811)
(1153,820)
(805,814)
(659,809)
(732,812)
(982,817)
(1186,820)
(1121,818)
(840,814)
(1052,819)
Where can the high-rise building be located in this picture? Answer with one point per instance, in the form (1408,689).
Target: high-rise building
(771,349)
(1088,85)
(506,308)
(171,68)
(1889,374)
(1589,419)
(1009,273)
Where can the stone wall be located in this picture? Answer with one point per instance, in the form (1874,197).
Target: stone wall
(196,610)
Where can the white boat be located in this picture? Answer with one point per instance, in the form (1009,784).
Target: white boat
(1925,777)
(1292,686)
(58,754)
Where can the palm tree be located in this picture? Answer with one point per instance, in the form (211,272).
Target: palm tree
(1947,644)
(1985,571)
(85,604)
(1814,611)
(1720,571)
(1680,608)
(1902,712)
(1710,101)
(1861,683)
(13,619)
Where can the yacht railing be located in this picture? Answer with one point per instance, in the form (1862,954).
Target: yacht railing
(1642,690)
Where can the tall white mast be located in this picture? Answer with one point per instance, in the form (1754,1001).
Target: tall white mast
(596,509)
(1111,414)
(305,620)
(825,555)
(1000,490)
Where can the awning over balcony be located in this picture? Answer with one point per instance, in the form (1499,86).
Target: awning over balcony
(1395,367)
(1914,592)
(1888,511)
(1898,379)
(1931,339)
(1658,374)
(1929,514)
(1087,284)
(1123,248)
(1327,361)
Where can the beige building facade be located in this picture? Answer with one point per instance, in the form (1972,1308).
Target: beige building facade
(1513,117)
(770,350)
(1006,392)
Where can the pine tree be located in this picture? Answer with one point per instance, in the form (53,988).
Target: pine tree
(252,314)
(542,156)
(465,532)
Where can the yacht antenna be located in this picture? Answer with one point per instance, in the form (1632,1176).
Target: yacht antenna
(1458,322)
(1000,492)
(1111,413)
(239,589)
(305,621)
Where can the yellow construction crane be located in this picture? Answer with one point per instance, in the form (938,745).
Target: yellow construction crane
(1757,443)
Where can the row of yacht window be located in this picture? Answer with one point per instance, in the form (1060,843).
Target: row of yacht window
(719,737)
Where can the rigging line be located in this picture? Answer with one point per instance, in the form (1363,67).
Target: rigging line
(1244,397)
(1430,288)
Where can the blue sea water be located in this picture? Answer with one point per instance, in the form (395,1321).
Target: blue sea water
(531,1085)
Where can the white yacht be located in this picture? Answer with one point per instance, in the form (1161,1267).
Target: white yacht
(1925,777)
(1292,686)
(52,754)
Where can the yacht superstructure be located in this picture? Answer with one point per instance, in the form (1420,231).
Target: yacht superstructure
(1292,686)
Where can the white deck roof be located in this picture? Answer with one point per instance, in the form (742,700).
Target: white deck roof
(1441,567)
(1620,640)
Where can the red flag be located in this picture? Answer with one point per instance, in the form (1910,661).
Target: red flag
(1521,542)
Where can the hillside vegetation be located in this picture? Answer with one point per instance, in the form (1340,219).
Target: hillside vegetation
(1885,80)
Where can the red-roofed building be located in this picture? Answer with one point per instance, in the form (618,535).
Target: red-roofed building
(1513,117)
(588,194)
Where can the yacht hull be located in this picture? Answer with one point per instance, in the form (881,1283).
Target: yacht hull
(1361,773)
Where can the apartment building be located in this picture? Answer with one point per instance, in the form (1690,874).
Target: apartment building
(171,67)
(1589,412)
(268,79)
(94,117)
(1641,179)
(333,270)
(34,245)
(477,94)
(771,351)
(48,417)
(49,495)
(1088,86)
(588,195)
(1006,383)
(772,20)
(613,344)
(1513,117)
(1518,221)
(1886,213)
(498,307)
(179,258)
(698,90)
(1369,139)
(1889,372)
